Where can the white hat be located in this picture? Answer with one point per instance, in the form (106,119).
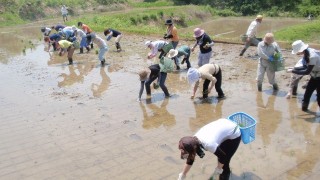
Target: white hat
(74,28)
(172,53)
(298,46)
(193,75)
(147,43)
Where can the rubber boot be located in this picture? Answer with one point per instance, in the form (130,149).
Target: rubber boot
(118,46)
(275,87)
(88,49)
(70,61)
(294,90)
(304,107)
(242,52)
(91,46)
(81,50)
(103,62)
(259,87)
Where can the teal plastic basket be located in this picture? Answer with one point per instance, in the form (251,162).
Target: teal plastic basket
(247,125)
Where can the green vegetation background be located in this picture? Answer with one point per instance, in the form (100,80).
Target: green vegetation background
(147,17)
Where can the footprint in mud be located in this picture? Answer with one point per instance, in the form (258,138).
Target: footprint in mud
(170,159)
(166,147)
(135,137)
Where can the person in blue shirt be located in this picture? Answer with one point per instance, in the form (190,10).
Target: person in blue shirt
(109,33)
(58,27)
(53,40)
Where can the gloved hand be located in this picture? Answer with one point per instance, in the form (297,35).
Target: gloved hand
(218,171)
(289,70)
(270,58)
(181,176)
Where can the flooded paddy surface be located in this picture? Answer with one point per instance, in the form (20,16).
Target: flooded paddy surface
(83,121)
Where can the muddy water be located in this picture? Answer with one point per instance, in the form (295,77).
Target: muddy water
(83,121)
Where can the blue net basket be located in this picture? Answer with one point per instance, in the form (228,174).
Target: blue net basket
(247,126)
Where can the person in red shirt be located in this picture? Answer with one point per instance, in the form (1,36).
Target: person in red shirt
(86,29)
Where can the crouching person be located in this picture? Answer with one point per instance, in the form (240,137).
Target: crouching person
(67,46)
(103,48)
(221,137)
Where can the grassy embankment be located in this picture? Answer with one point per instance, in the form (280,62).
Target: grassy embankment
(308,32)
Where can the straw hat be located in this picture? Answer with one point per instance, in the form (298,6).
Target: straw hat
(172,53)
(198,32)
(193,75)
(298,47)
(259,17)
(144,74)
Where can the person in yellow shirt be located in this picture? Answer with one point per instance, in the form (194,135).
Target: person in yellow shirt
(172,33)
(67,46)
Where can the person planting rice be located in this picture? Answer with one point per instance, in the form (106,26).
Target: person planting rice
(312,58)
(172,33)
(147,76)
(221,137)
(109,33)
(158,46)
(67,46)
(209,73)
(103,48)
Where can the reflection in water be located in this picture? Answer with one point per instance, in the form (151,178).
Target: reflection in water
(269,118)
(306,158)
(160,115)
(98,89)
(73,77)
(205,113)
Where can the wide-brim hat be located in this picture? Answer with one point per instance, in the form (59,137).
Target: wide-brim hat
(144,74)
(172,53)
(168,22)
(298,47)
(197,32)
(259,17)
(193,75)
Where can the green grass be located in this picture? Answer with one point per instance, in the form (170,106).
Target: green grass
(144,21)
(150,4)
(308,32)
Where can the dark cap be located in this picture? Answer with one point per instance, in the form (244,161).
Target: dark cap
(168,22)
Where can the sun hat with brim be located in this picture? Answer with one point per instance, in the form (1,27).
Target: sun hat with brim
(193,75)
(144,74)
(298,47)
(197,32)
(172,53)
(259,17)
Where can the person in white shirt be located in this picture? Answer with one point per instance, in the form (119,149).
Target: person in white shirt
(312,58)
(81,35)
(102,45)
(221,137)
(251,34)
(64,12)
(45,31)
(155,47)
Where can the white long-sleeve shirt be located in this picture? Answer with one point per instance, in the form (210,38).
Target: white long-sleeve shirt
(252,29)
(64,10)
(265,50)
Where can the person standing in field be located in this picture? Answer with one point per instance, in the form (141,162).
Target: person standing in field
(266,51)
(251,34)
(172,33)
(64,12)
(205,44)
(109,33)
(86,29)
